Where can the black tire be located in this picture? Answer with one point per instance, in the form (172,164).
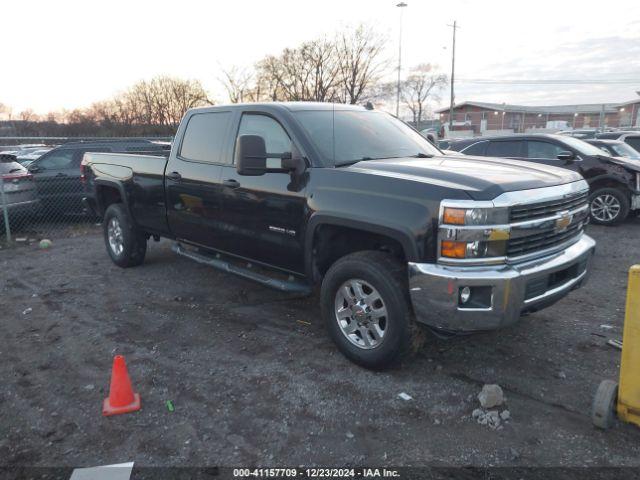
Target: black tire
(599,217)
(132,241)
(389,278)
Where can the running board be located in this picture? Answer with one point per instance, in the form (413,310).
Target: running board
(292,286)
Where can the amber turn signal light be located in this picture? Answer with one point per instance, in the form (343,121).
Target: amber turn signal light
(453,249)
(454,216)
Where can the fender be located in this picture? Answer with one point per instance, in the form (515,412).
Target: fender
(608,176)
(400,234)
(121,189)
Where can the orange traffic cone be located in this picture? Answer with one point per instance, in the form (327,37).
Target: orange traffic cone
(121,398)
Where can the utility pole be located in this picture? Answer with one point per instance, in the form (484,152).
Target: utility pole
(453,72)
(401,6)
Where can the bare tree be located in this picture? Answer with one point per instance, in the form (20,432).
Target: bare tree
(240,85)
(359,58)
(423,83)
(28,115)
(309,72)
(5,112)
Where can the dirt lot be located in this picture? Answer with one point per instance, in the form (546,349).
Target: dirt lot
(255,380)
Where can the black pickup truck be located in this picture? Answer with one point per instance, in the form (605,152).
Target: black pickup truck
(397,236)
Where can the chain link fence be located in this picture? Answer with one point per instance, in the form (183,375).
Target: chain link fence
(37,207)
(41,191)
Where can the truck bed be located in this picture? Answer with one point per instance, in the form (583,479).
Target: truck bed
(141,175)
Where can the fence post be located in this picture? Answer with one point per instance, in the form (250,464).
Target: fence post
(5,211)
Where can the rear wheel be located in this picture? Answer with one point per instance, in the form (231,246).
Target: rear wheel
(608,206)
(365,304)
(126,245)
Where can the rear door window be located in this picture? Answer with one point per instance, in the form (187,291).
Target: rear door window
(205,136)
(543,150)
(508,148)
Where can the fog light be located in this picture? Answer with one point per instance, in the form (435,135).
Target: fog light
(465,294)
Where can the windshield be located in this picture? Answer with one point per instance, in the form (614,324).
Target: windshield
(624,150)
(582,147)
(348,136)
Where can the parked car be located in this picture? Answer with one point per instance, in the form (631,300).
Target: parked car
(20,149)
(58,177)
(614,183)
(616,148)
(632,138)
(19,189)
(581,133)
(296,195)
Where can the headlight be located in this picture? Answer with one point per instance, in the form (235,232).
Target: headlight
(473,249)
(474,216)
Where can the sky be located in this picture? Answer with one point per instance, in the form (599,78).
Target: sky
(66,54)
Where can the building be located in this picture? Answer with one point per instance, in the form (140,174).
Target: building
(480,118)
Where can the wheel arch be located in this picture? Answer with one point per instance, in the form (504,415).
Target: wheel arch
(321,228)
(109,192)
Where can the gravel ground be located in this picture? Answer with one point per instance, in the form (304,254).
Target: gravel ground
(256,381)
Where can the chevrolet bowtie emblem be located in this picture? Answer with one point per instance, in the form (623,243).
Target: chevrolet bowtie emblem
(564,221)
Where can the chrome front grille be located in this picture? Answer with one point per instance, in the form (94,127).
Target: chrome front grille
(533,211)
(514,227)
(544,240)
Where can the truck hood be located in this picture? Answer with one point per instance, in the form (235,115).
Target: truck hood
(483,178)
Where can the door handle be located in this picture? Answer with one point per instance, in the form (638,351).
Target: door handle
(231,183)
(175,176)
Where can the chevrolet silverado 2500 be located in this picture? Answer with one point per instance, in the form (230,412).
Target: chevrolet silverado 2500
(295,195)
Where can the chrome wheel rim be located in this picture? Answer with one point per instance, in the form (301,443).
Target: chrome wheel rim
(361,314)
(605,208)
(114,235)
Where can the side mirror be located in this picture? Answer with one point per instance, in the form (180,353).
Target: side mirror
(567,156)
(33,168)
(251,158)
(251,155)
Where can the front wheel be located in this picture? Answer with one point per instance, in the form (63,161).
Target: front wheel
(608,206)
(365,305)
(126,246)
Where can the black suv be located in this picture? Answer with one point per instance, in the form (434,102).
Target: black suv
(58,175)
(614,182)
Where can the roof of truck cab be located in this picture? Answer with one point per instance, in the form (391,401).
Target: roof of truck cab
(291,106)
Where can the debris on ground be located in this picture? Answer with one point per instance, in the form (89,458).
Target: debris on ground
(405,396)
(170,406)
(45,243)
(491,396)
(607,327)
(492,418)
(561,375)
(27,311)
(615,344)
(350,435)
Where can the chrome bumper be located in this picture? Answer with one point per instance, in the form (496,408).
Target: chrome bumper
(511,290)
